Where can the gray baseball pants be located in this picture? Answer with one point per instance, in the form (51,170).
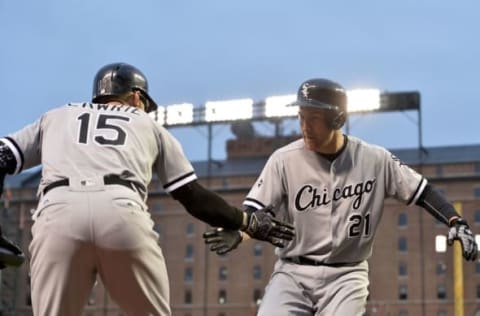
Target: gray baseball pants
(84,231)
(307,290)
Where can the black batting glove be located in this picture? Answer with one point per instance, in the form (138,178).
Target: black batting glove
(262,225)
(222,240)
(460,231)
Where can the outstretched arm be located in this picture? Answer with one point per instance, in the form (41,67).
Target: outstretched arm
(209,207)
(225,240)
(438,206)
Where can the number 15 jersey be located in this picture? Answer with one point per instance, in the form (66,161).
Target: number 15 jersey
(88,140)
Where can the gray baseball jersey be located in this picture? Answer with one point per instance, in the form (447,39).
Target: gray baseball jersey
(110,139)
(89,226)
(336,206)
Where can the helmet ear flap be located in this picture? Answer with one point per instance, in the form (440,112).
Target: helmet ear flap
(339,120)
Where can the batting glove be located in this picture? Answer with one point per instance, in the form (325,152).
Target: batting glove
(459,230)
(262,225)
(222,240)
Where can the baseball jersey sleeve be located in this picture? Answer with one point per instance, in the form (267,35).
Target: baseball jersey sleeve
(172,166)
(25,145)
(402,182)
(269,186)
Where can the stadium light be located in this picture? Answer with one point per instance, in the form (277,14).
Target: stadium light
(366,100)
(179,114)
(230,110)
(359,101)
(159,115)
(276,106)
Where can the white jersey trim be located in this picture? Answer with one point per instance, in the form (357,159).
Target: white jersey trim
(172,186)
(250,202)
(418,192)
(16,153)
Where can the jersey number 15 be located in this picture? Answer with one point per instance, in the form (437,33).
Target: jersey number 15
(105,123)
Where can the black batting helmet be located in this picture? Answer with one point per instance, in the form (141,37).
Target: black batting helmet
(324,94)
(119,78)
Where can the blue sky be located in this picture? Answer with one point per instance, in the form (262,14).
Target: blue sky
(195,51)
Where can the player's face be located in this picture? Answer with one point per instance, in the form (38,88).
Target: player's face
(316,134)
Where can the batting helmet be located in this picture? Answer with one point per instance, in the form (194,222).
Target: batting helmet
(324,94)
(119,78)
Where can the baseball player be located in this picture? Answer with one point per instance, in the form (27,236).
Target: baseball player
(332,188)
(92,218)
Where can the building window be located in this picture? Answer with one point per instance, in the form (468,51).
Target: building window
(402,269)
(402,244)
(441,313)
(441,292)
(257,249)
(402,220)
(225,183)
(477,167)
(477,268)
(221,314)
(257,272)
(222,274)
(476,193)
(222,297)
(190,229)
(91,298)
(402,292)
(157,208)
(439,170)
(478,291)
(189,252)
(188,274)
(441,268)
(257,296)
(477,217)
(403,313)
(188,297)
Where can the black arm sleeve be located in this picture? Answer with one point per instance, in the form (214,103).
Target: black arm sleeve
(436,204)
(8,162)
(208,206)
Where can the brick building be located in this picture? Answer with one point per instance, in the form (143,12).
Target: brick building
(407,276)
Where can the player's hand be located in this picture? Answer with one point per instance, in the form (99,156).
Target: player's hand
(222,240)
(460,231)
(10,254)
(262,225)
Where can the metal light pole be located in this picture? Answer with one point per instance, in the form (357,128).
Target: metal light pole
(207,252)
(458,271)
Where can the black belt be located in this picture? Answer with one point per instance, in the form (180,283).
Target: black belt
(312,262)
(109,179)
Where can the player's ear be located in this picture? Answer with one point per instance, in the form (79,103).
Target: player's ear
(137,100)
